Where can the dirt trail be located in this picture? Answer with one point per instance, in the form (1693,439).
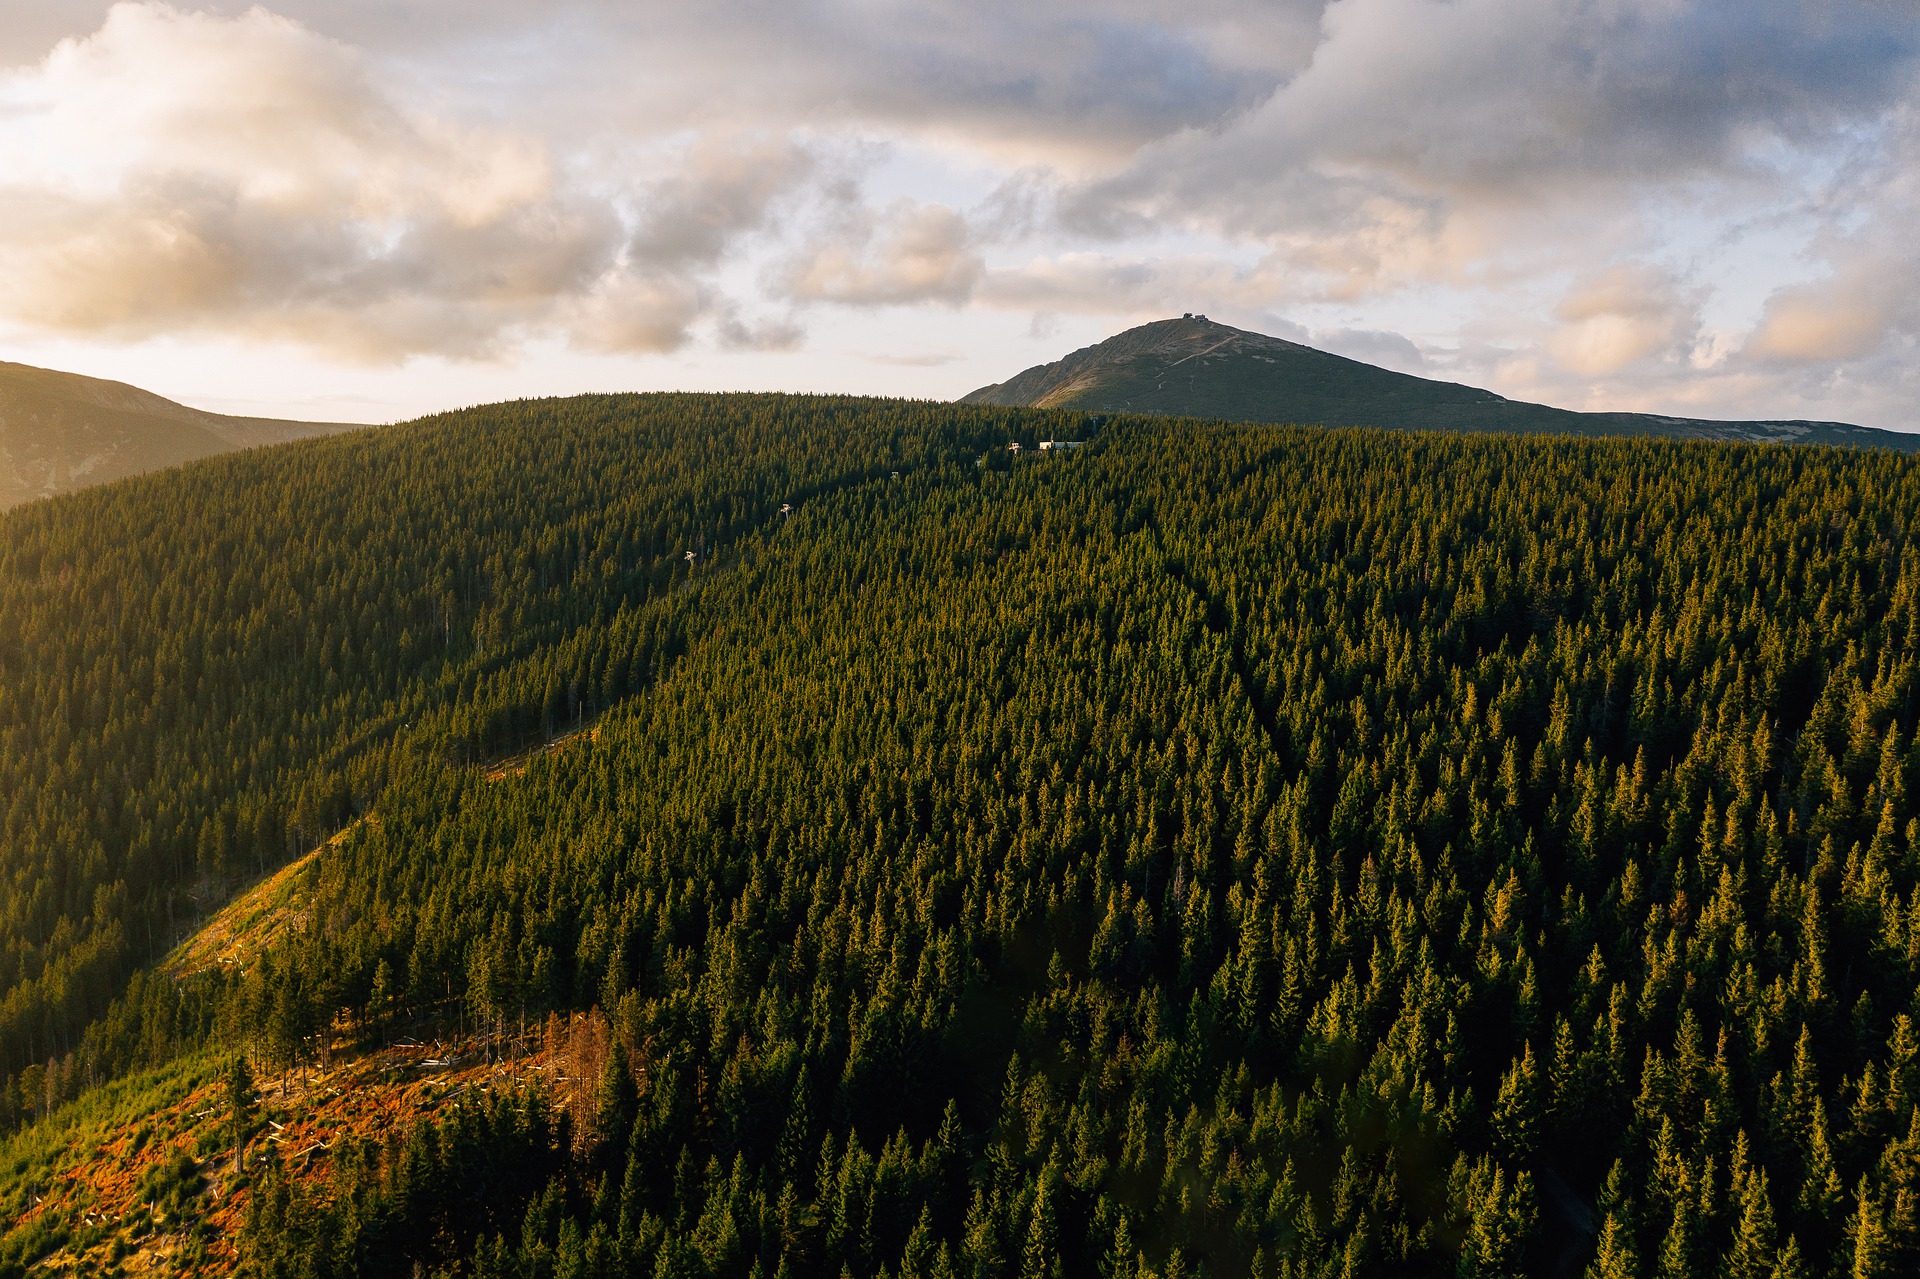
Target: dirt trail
(514,765)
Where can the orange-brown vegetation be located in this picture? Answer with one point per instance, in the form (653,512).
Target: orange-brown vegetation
(101,1194)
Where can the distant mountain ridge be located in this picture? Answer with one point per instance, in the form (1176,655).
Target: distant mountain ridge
(1195,367)
(62,431)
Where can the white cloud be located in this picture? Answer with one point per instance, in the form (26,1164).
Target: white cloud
(177,171)
(910,253)
(1836,319)
(1372,346)
(1620,316)
(1867,300)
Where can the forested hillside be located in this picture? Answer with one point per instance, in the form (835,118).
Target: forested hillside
(1221,850)
(203,673)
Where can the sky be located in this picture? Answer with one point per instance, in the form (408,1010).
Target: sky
(361,210)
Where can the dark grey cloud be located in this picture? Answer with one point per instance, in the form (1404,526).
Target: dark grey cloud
(1421,104)
(1105,74)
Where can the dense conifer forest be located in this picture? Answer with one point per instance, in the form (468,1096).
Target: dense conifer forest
(1220,850)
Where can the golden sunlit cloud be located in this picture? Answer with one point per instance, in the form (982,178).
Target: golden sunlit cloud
(179,172)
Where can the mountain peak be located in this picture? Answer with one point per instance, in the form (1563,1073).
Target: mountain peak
(1192,366)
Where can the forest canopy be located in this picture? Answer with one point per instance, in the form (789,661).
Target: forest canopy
(1222,850)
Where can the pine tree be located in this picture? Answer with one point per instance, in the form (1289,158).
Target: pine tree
(1120,1260)
(1500,1218)
(981,1240)
(1040,1259)
(1754,1248)
(1790,1264)
(1517,1109)
(1614,1257)
(1868,1247)
(239,1087)
(1680,1249)
(615,1100)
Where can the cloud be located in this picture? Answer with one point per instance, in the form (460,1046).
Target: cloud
(1145,286)
(715,189)
(1480,151)
(1699,205)
(910,253)
(1373,346)
(1075,81)
(183,172)
(1867,298)
(1835,319)
(634,314)
(1465,142)
(711,192)
(932,360)
(771,334)
(1623,314)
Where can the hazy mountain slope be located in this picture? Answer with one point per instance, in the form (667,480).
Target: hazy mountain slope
(1195,367)
(62,431)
